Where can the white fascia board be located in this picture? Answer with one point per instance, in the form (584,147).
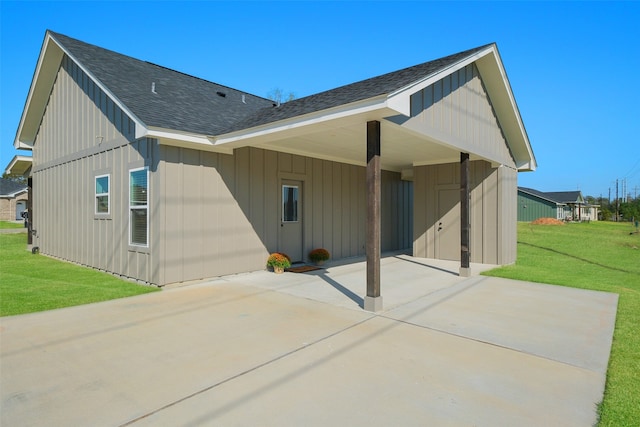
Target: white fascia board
(342,111)
(186,140)
(47,55)
(44,76)
(514,127)
(400,99)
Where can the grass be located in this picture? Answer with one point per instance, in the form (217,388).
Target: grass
(8,224)
(30,283)
(600,256)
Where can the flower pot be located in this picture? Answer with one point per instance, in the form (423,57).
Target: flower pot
(278,270)
(319,262)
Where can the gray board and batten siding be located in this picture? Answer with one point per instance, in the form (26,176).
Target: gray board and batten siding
(83,134)
(210,214)
(457,110)
(221,213)
(492,212)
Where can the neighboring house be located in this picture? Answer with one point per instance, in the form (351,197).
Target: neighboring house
(163,177)
(13,200)
(562,205)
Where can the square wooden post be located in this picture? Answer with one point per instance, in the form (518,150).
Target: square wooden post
(465,223)
(373,300)
(29,211)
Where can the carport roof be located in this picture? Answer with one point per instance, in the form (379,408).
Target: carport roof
(365,89)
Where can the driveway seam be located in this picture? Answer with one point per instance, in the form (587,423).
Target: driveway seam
(488,343)
(247,371)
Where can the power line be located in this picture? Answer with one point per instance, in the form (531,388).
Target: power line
(631,172)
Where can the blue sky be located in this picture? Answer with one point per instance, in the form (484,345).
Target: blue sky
(573,66)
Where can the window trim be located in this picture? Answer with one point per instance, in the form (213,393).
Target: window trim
(138,207)
(285,221)
(97,214)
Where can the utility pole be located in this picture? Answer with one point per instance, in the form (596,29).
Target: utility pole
(617,201)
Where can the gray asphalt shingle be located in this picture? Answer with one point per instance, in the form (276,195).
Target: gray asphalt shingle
(187,103)
(181,102)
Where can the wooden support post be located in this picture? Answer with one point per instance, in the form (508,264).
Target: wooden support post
(29,211)
(373,300)
(465,224)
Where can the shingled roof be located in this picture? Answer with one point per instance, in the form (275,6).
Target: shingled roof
(187,103)
(561,197)
(365,89)
(180,102)
(10,188)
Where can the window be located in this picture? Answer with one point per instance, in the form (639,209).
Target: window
(102,194)
(139,207)
(289,203)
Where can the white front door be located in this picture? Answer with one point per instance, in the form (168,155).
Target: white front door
(291,220)
(21,206)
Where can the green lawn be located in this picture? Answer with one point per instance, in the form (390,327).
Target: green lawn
(601,256)
(8,224)
(30,283)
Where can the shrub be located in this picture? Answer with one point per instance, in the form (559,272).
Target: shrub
(279,260)
(319,254)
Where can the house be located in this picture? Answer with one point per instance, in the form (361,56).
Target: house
(13,199)
(163,177)
(562,205)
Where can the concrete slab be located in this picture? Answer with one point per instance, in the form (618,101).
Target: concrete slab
(108,363)
(386,373)
(292,349)
(554,322)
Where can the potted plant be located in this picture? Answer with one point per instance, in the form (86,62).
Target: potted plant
(319,256)
(278,261)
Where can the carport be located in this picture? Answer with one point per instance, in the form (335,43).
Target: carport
(450,125)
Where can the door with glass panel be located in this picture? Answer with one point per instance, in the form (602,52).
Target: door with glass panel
(290,241)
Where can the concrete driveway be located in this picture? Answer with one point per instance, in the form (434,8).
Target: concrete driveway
(297,349)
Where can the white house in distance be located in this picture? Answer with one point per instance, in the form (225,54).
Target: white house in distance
(162,177)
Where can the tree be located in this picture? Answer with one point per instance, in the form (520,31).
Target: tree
(278,96)
(16,178)
(630,209)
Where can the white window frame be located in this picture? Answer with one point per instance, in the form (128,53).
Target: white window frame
(139,207)
(108,194)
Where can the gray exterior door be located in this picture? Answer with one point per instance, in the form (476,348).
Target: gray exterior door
(447,237)
(291,220)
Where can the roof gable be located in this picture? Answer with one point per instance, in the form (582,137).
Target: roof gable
(152,95)
(370,88)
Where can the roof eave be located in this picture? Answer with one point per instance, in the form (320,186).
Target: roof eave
(376,107)
(494,77)
(19,165)
(176,138)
